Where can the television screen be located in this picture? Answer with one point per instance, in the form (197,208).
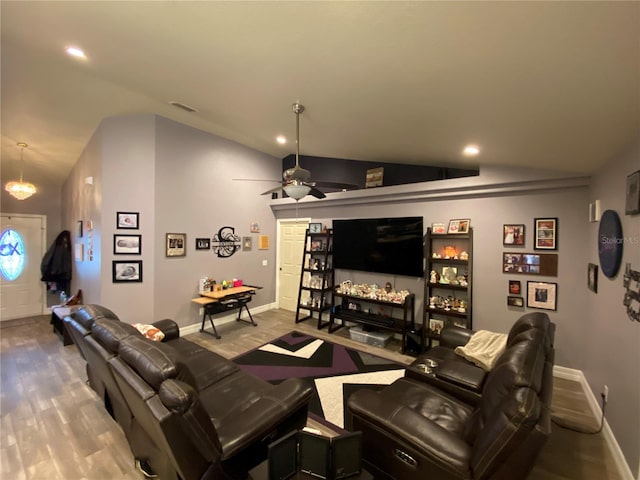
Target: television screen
(382,245)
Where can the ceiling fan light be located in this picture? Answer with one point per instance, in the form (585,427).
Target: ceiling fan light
(297,191)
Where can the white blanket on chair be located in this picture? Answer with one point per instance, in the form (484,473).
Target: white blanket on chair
(484,348)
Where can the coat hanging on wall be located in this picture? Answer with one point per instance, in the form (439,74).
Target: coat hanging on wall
(56,264)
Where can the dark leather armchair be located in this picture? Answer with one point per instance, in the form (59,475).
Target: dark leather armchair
(414,430)
(217,431)
(460,377)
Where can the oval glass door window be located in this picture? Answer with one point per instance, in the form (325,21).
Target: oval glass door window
(11,254)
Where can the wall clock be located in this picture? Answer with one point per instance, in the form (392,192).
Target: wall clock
(610,243)
(315,228)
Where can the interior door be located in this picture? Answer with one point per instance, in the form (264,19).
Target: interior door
(290,248)
(24,295)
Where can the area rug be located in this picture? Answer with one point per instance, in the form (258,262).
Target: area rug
(334,371)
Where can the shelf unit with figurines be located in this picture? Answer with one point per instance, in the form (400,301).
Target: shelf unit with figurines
(447,283)
(316,278)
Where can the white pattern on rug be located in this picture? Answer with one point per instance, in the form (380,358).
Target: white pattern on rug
(330,390)
(305,352)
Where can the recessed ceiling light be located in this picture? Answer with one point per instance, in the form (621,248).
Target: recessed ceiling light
(75,52)
(281,140)
(471,150)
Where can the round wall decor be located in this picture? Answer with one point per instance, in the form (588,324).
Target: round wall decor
(610,243)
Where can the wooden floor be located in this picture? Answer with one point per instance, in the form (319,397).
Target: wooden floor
(53,426)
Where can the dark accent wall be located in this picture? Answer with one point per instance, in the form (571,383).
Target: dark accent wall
(354,171)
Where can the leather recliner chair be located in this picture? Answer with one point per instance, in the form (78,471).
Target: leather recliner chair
(414,430)
(219,431)
(460,377)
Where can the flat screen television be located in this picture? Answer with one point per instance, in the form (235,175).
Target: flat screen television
(382,245)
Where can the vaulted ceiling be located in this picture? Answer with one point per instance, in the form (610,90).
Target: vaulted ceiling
(537,84)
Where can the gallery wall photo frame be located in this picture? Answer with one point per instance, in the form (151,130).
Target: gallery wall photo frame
(127,271)
(514,287)
(203,243)
(514,301)
(542,295)
(545,233)
(530,263)
(124,244)
(128,220)
(247,243)
(513,234)
(632,200)
(176,244)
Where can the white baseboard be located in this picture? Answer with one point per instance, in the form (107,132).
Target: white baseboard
(594,405)
(222,319)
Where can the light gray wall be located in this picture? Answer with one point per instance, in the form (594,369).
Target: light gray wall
(128,157)
(612,341)
(179,180)
(196,195)
(84,202)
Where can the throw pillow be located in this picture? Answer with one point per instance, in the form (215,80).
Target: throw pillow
(149,331)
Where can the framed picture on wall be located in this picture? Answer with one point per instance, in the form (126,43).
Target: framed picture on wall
(127,271)
(128,220)
(203,243)
(543,295)
(514,287)
(176,244)
(514,301)
(513,234)
(127,244)
(546,234)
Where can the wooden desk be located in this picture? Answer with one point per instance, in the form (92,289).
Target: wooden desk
(223,301)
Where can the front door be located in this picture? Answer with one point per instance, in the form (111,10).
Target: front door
(22,294)
(290,250)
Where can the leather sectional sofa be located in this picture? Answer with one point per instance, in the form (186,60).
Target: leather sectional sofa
(187,412)
(468,424)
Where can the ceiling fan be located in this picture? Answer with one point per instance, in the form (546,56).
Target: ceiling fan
(297,181)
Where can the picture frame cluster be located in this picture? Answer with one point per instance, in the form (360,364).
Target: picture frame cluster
(454,227)
(127,271)
(539,294)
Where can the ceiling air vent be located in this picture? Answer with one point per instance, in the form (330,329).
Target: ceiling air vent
(184,107)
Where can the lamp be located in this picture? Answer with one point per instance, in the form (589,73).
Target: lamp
(297,190)
(20,190)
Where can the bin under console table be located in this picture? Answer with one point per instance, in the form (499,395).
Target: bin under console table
(373,313)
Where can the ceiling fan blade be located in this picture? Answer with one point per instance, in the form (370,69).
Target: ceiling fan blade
(337,185)
(255,180)
(277,189)
(316,193)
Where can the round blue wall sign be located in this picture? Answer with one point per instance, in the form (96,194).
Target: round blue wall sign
(610,243)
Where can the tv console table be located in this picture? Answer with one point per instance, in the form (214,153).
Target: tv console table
(342,312)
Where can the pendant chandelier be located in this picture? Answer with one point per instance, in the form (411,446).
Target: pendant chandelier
(21,189)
